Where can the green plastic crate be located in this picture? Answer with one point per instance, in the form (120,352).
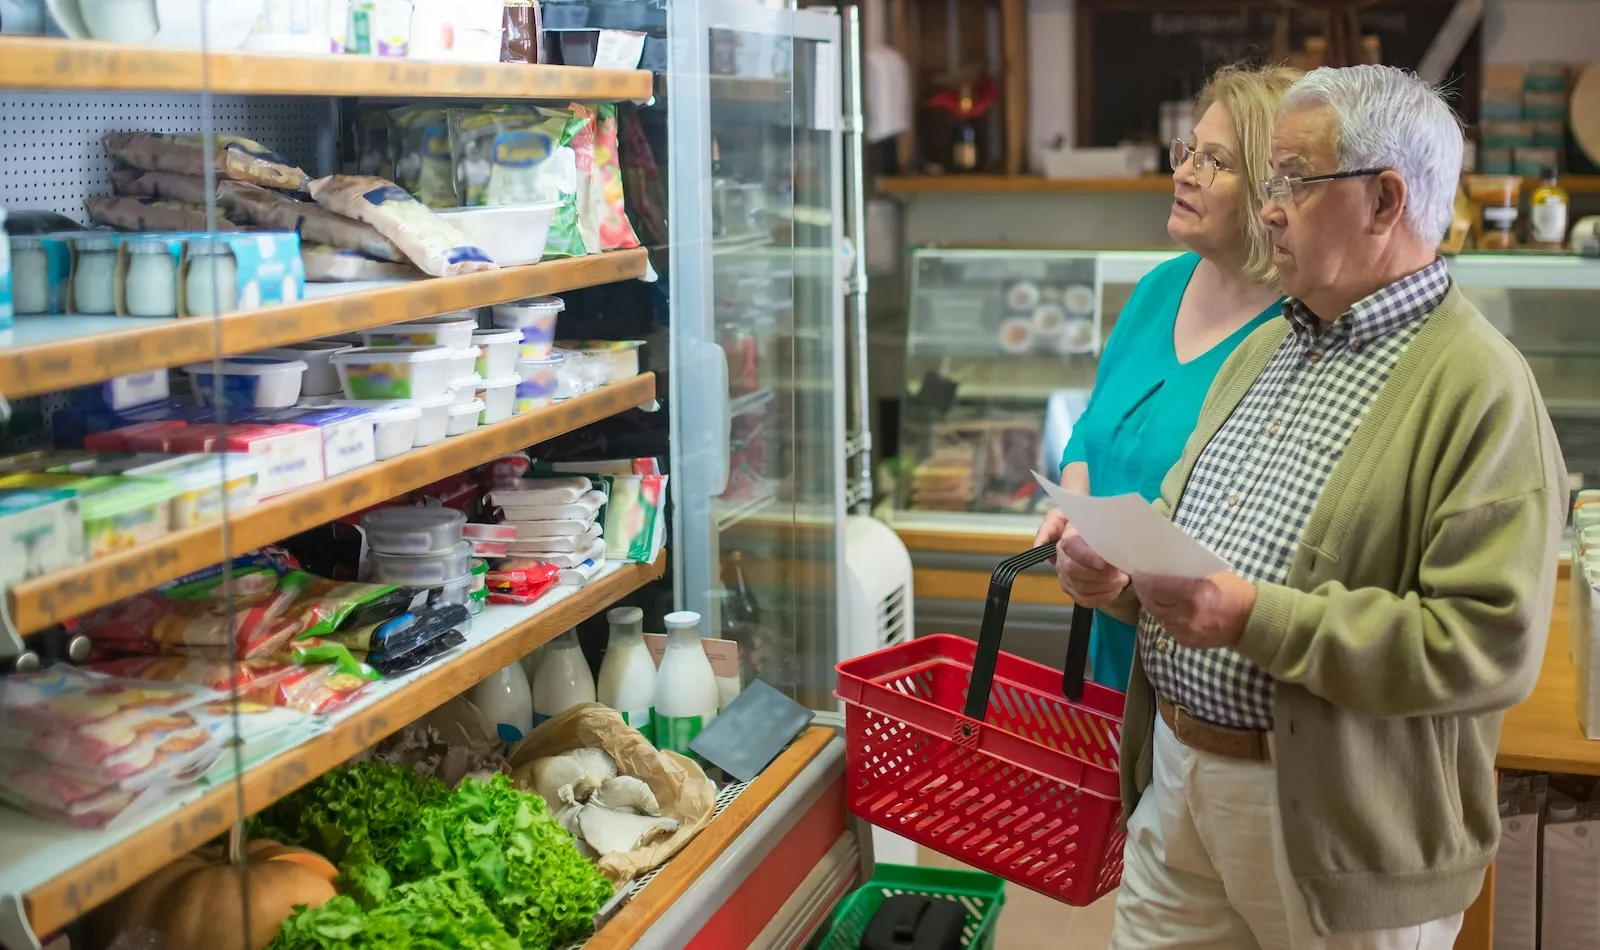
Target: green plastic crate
(982,895)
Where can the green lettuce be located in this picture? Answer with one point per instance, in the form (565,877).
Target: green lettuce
(432,914)
(525,864)
(353,815)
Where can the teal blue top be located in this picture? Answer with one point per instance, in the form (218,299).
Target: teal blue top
(1144,406)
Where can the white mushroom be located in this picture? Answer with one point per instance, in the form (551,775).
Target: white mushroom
(610,832)
(626,794)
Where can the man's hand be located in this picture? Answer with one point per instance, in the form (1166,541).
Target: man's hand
(1200,614)
(1050,532)
(1085,575)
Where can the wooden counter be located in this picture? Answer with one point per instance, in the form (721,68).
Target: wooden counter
(1542,734)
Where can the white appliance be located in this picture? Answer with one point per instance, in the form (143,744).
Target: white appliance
(878,613)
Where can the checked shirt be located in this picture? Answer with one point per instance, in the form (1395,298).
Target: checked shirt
(1255,483)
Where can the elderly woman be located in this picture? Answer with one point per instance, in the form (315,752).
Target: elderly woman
(1183,320)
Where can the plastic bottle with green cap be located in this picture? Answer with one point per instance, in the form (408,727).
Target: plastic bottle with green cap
(686,688)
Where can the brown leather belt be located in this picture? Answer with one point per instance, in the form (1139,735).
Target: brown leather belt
(1244,744)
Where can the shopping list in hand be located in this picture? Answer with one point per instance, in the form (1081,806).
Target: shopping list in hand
(1132,536)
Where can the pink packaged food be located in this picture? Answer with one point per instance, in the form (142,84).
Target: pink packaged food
(291,454)
(488,532)
(121,440)
(489,548)
(62,697)
(63,796)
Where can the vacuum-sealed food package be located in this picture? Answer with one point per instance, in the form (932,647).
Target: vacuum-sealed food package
(274,211)
(234,157)
(326,264)
(168,186)
(150,214)
(432,244)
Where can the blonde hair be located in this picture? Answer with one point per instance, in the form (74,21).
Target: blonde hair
(1251,97)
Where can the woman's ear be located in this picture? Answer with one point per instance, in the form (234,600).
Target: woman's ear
(1389,202)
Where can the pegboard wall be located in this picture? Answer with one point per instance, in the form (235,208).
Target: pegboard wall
(50,155)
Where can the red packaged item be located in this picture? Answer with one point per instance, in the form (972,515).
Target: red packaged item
(120,440)
(205,626)
(318,690)
(522,586)
(252,680)
(196,439)
(291,454)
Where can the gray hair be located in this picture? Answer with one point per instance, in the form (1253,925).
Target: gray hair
(1391,118)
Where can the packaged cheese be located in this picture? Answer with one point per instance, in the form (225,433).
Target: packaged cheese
(235,157)
(435,246)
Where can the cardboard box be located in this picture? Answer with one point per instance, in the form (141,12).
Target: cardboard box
(291,455)
(347,436)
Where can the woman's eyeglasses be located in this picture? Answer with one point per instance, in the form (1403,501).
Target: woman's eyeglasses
(1206,165)
(1288,191)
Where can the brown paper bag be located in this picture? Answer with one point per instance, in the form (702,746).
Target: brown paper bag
(680,786)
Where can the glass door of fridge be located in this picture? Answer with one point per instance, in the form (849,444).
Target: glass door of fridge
(757,338)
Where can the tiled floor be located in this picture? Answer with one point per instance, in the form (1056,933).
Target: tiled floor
(1032,921)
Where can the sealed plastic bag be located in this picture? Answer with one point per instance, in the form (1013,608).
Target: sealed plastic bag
(202,623)
(605,182)
(509,157)
(150,214)
(274,211)
(434,245)
(420,142)
(235,157)
(333,265)
(169,186)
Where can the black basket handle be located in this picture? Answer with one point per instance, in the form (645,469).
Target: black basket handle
(993,625)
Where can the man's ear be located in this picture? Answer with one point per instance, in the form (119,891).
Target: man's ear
(1389,202)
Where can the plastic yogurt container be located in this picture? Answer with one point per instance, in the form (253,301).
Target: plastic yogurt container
(465,388)
(432,419)
(464,417)
(538,380)
(421,570)
(497,352)
(201,489)
(394,429)
(248,381)
(455,333)
(321,378)
(463,361)
(499,398)
(121,512)
(536,319)
(413,531)
(393,372)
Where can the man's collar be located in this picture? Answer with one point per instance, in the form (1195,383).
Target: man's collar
(1383,312)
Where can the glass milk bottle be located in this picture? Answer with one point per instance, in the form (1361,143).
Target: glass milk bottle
(504,698)
(628,673)
(563,679)
(686,689)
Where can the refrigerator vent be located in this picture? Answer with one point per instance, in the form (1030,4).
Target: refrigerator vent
(892,625)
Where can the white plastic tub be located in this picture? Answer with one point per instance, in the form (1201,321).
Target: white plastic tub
(620,357)
(248,381)
(464,418)
(321,378)
(535,319)
(497,354)
(422,570)
(393,372)
(413,531)
(499,398)
(537,380)
(429,425)
(394,429)
(455,332)
(510,234)
(465,388)
(463,361)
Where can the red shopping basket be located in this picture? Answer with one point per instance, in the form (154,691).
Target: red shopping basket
(1007,775)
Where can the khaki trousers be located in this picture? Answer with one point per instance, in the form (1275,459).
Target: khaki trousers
(1205,867)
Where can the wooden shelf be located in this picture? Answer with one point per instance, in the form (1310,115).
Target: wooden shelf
(1542,733)
(56,353)
(1023,185)
(1144,185)
(57,65)
(42,601)
(631,923)
(100,865)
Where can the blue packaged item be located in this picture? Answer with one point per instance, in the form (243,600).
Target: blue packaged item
(123,392)
(267,269)
(247,382)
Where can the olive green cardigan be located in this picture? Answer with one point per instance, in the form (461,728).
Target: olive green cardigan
(1415,612)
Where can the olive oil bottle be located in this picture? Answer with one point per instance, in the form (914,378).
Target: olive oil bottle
(1547,213)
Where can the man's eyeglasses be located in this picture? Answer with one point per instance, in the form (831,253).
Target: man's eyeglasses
(1206,165)
(1288,191)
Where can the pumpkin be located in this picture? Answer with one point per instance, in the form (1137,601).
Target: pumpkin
(196,903)
(265,849)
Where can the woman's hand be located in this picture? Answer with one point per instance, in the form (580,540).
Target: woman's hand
(1050,532)
(1085,575)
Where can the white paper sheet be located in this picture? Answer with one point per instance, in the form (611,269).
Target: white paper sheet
(1132,537)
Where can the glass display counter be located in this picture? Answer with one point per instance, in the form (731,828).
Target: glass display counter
(1003,346)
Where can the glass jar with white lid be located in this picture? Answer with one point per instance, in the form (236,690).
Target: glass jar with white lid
(211,285)
(152,283)
(30,276)
(95,275)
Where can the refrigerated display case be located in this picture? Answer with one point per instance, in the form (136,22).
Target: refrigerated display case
(757,341)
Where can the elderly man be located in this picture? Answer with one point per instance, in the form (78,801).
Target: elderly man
(1309,742)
